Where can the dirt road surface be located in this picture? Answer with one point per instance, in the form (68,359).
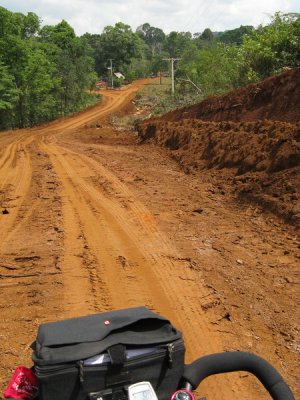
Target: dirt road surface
(92,221)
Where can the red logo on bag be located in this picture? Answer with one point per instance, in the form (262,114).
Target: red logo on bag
(23,384)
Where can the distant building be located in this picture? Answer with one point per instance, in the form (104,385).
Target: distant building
(119,75)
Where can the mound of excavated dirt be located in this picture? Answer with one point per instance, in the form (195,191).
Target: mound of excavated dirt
(250,136)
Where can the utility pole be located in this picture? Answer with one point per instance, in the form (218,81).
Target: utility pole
(111,72)
(172,70)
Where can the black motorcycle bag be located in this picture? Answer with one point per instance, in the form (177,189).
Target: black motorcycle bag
(100,355)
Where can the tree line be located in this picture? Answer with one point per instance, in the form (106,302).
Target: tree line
(46,72)
(216,62)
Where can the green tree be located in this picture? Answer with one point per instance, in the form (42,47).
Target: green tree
(44,73)
(30,71)
(153,37)
(40,88)
(120,44)
(235,36)
(24,26)
(271,47)
(61,34)
(158,63)
(75,73)
(94,41)
(204,39)
(8,96)
(214,70)
(177,42)
(74,62)
(16,53)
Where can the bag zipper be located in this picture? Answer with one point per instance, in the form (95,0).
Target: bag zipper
(165,349)
(170,347)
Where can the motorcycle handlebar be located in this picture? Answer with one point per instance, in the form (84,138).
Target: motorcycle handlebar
(220,363)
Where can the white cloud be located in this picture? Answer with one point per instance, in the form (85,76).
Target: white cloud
(179,15)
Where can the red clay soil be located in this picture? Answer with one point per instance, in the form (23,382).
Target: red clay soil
(249,139)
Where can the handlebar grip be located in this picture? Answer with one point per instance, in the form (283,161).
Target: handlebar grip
(238,361)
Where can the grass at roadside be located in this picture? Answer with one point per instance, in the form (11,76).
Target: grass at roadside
(158,98)
(156,87)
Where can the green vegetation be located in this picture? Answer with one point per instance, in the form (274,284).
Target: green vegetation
(44,73)
(47,72)
(270,48)
(241,56)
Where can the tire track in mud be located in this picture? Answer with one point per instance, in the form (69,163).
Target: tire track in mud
(104,234)
(15,179)
(136,263)
(29,260)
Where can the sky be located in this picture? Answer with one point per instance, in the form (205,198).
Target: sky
(169,15)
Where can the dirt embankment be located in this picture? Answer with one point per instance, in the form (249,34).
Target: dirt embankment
(251,137)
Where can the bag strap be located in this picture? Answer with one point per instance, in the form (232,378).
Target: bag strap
(117,354)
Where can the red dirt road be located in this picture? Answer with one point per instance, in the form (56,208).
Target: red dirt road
(98,222)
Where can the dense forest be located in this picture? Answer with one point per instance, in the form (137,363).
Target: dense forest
(47,71)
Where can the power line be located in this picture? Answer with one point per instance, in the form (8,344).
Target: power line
(194,18)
